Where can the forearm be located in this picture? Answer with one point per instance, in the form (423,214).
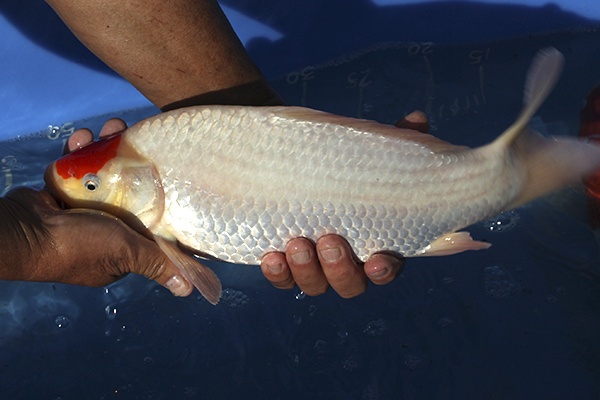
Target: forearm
(169,50)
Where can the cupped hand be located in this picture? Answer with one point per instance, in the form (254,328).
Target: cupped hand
(83,247)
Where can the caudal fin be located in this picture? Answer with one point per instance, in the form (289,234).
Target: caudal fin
(553,163)
(550,163)
(543,74)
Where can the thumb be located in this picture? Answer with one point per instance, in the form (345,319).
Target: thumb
(158,267)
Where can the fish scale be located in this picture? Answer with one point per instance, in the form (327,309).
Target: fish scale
(244,183)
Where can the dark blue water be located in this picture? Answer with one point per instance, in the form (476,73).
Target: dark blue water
(518,321)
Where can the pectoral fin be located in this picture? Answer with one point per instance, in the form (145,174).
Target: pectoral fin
(203,278)
(452,243)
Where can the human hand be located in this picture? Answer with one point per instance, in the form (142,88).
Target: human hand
(83,247)
(330,261)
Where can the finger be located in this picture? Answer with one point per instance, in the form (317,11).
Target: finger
(112,126)
(304,265)
(275,268)
(416,120)
(382,268)
(143,256)
(78,139)
(343,272)
(165,273)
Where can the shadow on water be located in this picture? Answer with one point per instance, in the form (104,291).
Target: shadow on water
(336,27)
(315,31)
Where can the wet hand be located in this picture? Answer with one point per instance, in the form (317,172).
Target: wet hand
(83,247)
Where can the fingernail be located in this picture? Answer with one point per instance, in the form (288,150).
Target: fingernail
(379,273)
(331,254)
(301,257)
(275,268)
(177,285)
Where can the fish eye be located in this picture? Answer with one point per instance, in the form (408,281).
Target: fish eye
(91,182)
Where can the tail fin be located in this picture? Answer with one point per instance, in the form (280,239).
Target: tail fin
(550,163)
(553,163)
(543,74)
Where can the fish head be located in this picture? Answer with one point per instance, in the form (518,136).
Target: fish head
(109,175)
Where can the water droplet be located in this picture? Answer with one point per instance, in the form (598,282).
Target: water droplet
(62,322)
(375,328)
(498,283)
(504,221)
(111,312)
(106,290)
(300,295)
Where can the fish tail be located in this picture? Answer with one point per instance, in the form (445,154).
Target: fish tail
(549,163)
(553,163)
(543,74)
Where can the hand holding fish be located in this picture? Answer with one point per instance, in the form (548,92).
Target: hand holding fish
(209,179)
(45,243)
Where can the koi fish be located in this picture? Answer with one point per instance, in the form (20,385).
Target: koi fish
(236,182)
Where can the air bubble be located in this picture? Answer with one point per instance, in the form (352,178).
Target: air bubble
(148,360)
(375,328)
(504,221)
(498,283)
(62,321)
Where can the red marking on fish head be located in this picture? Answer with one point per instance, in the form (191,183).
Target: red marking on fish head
(88,159)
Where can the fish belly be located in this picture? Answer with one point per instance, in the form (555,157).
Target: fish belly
(242,181)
